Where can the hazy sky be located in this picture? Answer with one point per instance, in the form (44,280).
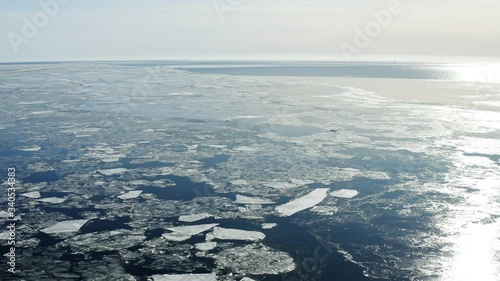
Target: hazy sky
(250,29)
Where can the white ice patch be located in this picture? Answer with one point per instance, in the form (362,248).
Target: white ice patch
(241,199)
(324,210)
(280,185)
(131,194)
(65,226)
(344,193)
(54,200)
(4,214)
(176,237)
(110,160)
(237,234)
(4,235)
(185,277)
(31,149)
(206,246)
(194,217)
(110,172)
(269,225)
(182,233)
(305,202)
(34,194)
(239,182)
(41,112)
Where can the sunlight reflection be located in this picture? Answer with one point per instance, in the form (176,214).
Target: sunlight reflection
(475,257)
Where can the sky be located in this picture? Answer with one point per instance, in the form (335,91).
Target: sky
(58,30)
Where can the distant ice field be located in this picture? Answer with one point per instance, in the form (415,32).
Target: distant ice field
(224,171)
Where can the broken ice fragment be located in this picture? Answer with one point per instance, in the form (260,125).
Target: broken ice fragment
(255,260)
(237,234)
(206,246)
(31,149)
(269,225)
(130,194)
(185,277)
(182,233)
(239,182)
(193,229)
(34,194)
(54,200)
(65,226)
(344,193)
(110,172)
(176,237)
(241,199)
(305,202)
(195,217)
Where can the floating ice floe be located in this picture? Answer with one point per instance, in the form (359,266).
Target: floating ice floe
(305,202)
(237,234)
(239,182)
(4,214)
(194,217)
(130,195)
(206,246)
(104,241)
(42,112)
(4,235)
(344,193)
(255,260)
(139,182)
(324,210)
(31,149)
(182,233)
(110,172)
(269,225)
(185,277)
(65,226)
(292,183)
(55,200)
(110,160)
(241,199)
(34,194)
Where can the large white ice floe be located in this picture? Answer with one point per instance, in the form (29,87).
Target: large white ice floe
(131,194)
(241,199)
(305,202)
(237,234)
(65,226)
(344,193)
(110,172)
(255,260)
(182,233)
(185,277)
(194,217)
